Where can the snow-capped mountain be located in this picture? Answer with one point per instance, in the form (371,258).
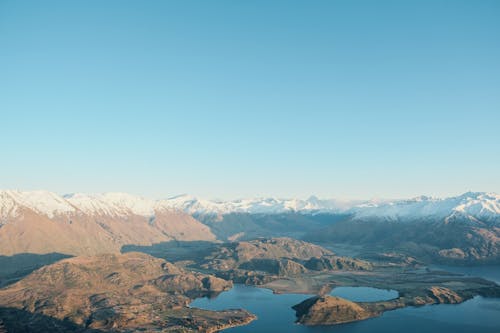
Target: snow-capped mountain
(122,204)
(195,206)
(479,205)
(472,205)
(43,222)
(112,204)
(42,202)
(51,204)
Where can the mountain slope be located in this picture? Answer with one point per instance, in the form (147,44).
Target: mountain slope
(465,227)
(42,222)
(462,229)
(120,293)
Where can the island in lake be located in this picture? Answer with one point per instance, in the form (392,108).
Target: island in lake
(286,265)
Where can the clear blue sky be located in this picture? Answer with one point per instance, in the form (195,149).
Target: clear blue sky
(225,99)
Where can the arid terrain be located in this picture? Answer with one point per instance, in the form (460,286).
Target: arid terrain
(118,263)
(123,292)
(119,293)
(289,266)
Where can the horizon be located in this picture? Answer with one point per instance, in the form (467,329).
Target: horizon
(343,200)
(253,166)
(231,100)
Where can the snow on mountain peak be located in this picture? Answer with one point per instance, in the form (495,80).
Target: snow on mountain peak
(51,204)
(479,204)
(112,203)
(471,204)
(193,205)
(42,202)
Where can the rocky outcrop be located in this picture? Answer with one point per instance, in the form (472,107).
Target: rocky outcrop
(333,263)
(192,285)
(274,248)
(262,254)
(278,267)
(437,295)
(329,310)
(247,277)
(121,292)
(262,260)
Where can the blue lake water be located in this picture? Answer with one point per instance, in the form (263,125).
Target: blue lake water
(276,315)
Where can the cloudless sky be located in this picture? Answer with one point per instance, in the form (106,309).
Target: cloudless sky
(228,99)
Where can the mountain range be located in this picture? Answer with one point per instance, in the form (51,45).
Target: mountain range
(478,205)
(461,227)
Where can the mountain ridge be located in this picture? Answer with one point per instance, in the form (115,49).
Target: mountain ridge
(485,205)
(41,222)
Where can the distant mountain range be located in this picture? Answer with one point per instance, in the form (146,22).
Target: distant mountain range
(480,205)
(465,227)
(471,204)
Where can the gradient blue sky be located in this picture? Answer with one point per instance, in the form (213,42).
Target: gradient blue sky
(225,99)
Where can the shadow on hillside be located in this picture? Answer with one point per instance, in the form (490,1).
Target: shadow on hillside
(20,321)
(250,226)
(15,267)
(174,250)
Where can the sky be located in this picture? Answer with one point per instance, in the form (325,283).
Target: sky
(231,99)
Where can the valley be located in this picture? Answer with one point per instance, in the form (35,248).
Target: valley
(119,263)
(288,266)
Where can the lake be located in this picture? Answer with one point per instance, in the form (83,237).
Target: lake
(276,315)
